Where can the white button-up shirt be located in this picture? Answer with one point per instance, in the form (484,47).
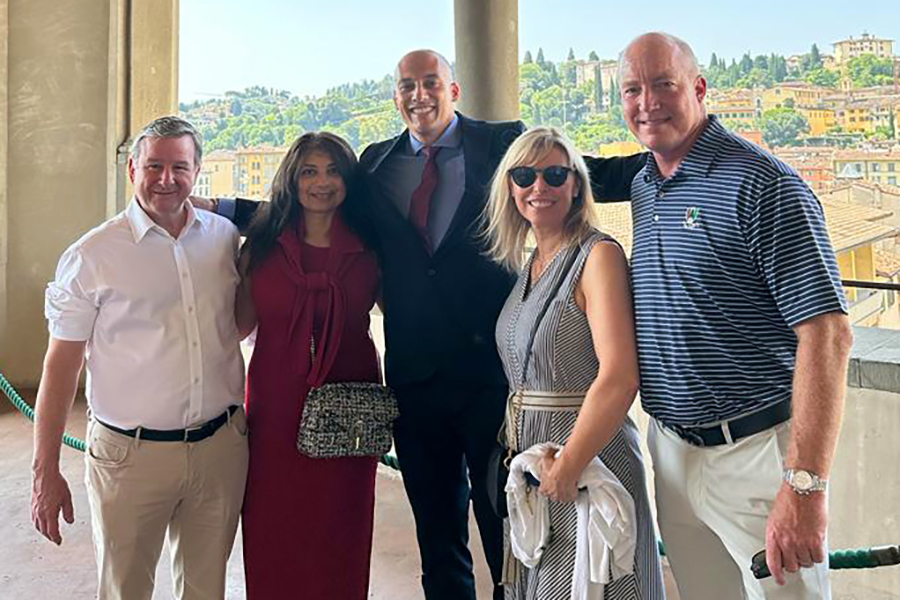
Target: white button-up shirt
(158,316)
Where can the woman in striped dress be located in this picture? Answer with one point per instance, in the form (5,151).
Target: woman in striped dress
(584,343)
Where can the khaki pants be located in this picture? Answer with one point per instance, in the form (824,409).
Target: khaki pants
(138,489)
(713,504)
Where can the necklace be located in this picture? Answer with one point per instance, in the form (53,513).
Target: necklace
(539,265)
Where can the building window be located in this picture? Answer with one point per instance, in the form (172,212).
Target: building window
(876,167)
(892,180)
(891,167)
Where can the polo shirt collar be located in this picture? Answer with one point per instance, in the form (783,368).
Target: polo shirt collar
(451,137)
(140,222)
(701,155)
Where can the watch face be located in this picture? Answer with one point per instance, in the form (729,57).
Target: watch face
(802,480)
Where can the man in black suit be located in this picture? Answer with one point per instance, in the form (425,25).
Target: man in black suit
(442,296)
(441,300)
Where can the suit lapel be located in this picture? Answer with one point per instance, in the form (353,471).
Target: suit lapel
(383,207)
(476,151)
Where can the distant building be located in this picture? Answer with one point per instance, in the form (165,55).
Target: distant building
(794,94)
(741,107)
(856,233)
(815,165)
(255,168)
(821,119)
(845,50)
(881,167)
(867,114)
(589,70)
(219,168)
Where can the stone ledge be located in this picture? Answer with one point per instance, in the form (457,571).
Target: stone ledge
(875,360)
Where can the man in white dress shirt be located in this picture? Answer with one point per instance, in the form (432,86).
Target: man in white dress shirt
(147,301)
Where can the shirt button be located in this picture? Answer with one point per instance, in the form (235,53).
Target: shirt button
(190,309)
(196,380)
(431,272)
(195,344)
(656,217)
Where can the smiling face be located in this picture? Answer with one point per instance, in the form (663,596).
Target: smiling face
(425,94)
(319,184)
(544,206)
(164,174)
(662,97)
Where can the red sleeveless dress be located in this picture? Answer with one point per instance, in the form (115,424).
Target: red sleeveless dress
(307,523)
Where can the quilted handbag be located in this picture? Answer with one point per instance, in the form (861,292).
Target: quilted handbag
(347,419)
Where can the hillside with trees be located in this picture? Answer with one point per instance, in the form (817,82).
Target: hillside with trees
(549,94)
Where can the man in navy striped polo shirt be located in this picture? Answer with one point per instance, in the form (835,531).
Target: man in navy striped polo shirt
(743,340)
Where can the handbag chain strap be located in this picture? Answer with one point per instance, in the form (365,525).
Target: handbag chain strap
(517,397)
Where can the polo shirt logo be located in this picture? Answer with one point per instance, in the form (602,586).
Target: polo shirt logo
(691,218)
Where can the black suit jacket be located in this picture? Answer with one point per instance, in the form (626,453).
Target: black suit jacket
(441,309)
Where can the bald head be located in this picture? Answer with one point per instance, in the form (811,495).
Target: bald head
(416,56)
(425,94)
(662,96)
(658,42)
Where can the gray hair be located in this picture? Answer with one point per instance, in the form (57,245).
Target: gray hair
(442,62)
(168,127)
(675,42)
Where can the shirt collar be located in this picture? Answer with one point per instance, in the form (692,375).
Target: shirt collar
(449,139)
(700,157)
(140,222)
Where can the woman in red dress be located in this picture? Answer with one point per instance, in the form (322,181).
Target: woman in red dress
(309,282)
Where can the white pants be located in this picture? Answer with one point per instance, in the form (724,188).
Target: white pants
(713,504)
(139,489)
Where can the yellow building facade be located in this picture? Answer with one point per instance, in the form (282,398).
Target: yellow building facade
(794,94)
(874,167)
(821,119)
(219,167)
(254,170)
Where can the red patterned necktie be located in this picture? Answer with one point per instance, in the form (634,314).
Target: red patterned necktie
(421,196)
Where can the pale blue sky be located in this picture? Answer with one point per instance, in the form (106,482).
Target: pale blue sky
(306,47)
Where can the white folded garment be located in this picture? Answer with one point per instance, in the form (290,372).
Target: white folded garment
(606,536)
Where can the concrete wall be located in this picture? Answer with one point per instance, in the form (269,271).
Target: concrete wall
(66,106)
(864,492)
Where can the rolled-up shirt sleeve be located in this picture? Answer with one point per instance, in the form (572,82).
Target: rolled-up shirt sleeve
(70,304)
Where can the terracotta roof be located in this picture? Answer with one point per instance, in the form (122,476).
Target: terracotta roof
(219,155)
(884,187)
(887,263)
(864,155)
(850,225)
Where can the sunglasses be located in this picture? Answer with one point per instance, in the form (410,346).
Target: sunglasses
(554,176)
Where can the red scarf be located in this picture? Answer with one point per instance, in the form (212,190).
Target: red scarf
(320,291)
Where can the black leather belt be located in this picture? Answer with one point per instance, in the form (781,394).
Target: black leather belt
(191,434)
(739,427)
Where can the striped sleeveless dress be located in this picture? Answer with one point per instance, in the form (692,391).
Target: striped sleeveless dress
(563,360)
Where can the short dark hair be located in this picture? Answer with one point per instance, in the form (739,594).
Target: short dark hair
(168,127)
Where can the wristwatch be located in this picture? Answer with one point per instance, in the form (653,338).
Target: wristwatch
(804,482)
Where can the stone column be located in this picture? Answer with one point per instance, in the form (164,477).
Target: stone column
(61,116)
(4,159)
(487,58)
